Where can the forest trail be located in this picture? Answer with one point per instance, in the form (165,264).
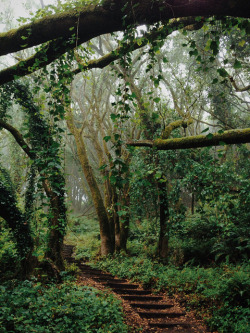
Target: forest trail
(157,313)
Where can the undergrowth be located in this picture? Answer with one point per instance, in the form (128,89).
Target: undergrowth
(84,234)
(30,306)
(219,295)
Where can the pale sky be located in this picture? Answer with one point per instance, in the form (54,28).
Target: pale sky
(19,8)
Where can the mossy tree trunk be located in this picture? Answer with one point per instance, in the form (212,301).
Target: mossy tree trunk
(44,151)
(17,222)
(107,245)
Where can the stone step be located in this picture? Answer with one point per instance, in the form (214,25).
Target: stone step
(172,330)
(102,277)
(92,272)
(153,314)
(114,280)
(131,291)
(117,285)
(172,324)
(151,306)
(141,298)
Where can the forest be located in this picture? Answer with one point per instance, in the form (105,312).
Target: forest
(124,152)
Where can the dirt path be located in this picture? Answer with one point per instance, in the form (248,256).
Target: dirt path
(153,313)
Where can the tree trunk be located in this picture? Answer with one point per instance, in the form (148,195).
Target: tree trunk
(17,222)
(107,246)
(56,234)
(164,220)
(192,203)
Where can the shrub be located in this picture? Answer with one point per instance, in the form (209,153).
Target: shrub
(9,258)
(32,307)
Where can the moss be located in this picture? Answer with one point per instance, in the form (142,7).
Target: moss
(228,137)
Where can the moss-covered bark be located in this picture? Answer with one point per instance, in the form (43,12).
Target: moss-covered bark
(16,220)
(106,238)
(236,136)
(92,21)
(97,20)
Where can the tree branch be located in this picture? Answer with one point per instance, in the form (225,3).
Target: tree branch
(175,124)
(236,87)
(56,48)
(228,137)
(18,137)
(91,21)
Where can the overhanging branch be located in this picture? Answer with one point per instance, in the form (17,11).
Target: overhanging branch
(92,21)
(56,48)
(228,137)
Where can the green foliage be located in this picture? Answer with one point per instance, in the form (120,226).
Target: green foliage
(32,307)
(143,238)
(14,217)
(84,234)
(221,190)
(219,295)
(9,256)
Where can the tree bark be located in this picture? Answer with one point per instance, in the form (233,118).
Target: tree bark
(236,136)
(91,21)
(106,239)
(17,222)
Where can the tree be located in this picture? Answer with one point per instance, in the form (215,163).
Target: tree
(74,27)
(17,221)
(65,31)
(88,21)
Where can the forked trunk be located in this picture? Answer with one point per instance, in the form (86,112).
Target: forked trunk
(105,233)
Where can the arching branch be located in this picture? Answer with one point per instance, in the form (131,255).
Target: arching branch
(18,137)
(91,21)
(56,48)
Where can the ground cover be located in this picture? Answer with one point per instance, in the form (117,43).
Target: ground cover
(31,306)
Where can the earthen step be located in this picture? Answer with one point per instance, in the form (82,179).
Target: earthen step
(151,306)
(141,298)
(131,291)
(152,315)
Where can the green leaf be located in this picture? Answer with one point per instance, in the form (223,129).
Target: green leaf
(157,99)
(122,213)
(107,138)
(209,136)
(158,174)
(222,72)
(113,116)
(214,46)
(237,64)
(242,43)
